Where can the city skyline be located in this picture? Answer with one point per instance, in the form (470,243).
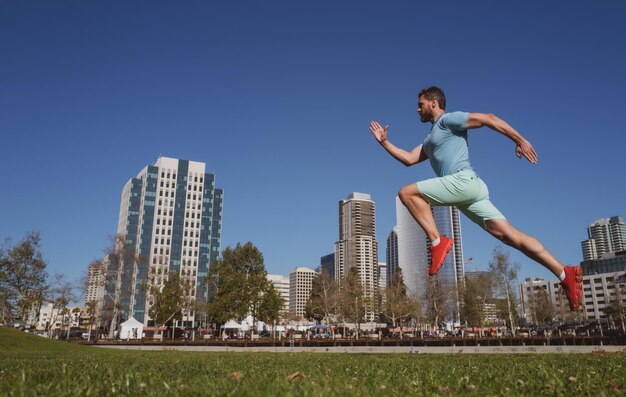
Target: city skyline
(276,100)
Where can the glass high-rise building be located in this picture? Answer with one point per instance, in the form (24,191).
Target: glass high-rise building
(170,222)
(414,254)
(327,266)
(392,254)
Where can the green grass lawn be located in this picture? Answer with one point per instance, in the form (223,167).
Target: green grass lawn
(31,365)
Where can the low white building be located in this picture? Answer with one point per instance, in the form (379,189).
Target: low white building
(52,318)
(598,291)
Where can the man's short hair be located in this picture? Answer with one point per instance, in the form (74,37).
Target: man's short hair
(435,93)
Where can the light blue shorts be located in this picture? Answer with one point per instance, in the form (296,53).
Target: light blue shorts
(464,190)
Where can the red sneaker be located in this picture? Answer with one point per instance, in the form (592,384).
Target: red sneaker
(438,254)
(573,286)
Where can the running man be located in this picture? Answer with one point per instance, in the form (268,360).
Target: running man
(458,185)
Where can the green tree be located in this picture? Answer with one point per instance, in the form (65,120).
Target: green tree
(92,307)
(475,294)
(271,305)
(322,302)
(504,274)
(237,283)
(22,277)
(168,302)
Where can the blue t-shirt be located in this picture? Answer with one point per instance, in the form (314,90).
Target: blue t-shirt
(446,144)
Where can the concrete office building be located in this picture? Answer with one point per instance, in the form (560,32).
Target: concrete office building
(598,292)
(300,286)
(94,289)
(382,275)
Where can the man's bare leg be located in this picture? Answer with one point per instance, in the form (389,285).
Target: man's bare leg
(420,210)
(531,247)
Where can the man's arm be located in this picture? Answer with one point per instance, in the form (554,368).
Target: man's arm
(522,148)
(417,155)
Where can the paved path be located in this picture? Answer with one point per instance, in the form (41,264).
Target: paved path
(385,349)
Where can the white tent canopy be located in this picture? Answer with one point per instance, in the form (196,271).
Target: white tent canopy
(131,329)
(232,324)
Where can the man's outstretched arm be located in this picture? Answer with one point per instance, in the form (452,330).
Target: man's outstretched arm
(522,148)
(415,156)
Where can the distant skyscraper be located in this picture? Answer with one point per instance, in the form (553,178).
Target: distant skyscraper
(606,236)
(300,285)
(382,275)
(281,283)
(392,254)
(357,246)
(414,255)
(171,222)
(412,251)
(94,290)
(327,265)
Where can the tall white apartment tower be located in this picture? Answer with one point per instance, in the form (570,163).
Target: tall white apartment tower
(357,245)
(94,290)
(300,286)
(605,236)
(171,222)
(414,254)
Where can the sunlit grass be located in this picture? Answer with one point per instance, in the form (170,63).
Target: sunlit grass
(90,371)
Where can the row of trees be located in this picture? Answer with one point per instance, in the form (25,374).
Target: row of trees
(496,287)
(236,283)
(344,301)
(237,286)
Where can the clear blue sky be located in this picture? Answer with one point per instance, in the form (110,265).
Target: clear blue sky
(276,99)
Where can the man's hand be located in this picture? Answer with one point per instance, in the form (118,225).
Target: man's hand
(379,132)
(524,148)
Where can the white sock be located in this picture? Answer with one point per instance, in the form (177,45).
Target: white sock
(436,242)
(562,276)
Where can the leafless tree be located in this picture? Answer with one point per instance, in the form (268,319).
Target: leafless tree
(322,303)
(436,300)
(504,274)
(60,294)
(121,266)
